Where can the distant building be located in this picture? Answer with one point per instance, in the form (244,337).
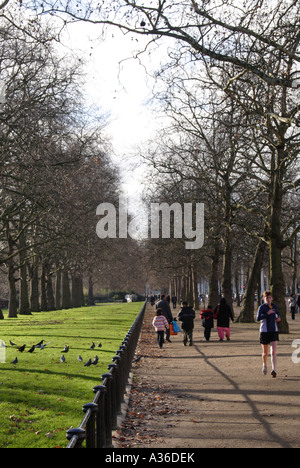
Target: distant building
(131,297)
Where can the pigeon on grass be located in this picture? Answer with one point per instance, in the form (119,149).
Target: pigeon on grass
(38,345)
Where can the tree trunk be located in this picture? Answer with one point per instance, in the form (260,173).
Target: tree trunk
(213,299)
(13,302)
(91,300)
(295,266)
(58,290)
(76,290)
(277,282)
(237,288)
(227,276)
(183,289)
(195,289)
(81,294)
(50,292)
(34,286)
(66,294)
(247,312)
(44,304)
(190,289)
(24,308)
(178,289)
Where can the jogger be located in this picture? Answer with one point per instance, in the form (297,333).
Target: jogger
(269,316)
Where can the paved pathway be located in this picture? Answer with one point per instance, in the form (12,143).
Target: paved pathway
(213,394)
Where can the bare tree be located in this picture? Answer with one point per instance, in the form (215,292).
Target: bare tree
(223,32)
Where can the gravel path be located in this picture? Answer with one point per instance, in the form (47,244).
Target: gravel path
(212,395)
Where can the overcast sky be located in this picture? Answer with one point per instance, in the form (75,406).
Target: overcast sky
(121,87)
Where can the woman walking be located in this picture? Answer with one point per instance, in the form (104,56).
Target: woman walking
(223,313)
(269,316)
(293,306)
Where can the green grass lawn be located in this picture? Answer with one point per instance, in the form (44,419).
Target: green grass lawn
(41,397)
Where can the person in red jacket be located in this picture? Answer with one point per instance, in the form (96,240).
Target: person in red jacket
(207,316)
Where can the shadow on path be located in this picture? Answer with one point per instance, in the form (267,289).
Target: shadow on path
(237,390)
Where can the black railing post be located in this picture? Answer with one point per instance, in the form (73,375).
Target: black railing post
(113,370)
(77,436)
(108,409)
(119,397)
(100,391)
(122,349)
(101,415)
(91,424)
(120,354)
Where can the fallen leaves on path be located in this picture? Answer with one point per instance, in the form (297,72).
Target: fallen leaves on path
(148,401)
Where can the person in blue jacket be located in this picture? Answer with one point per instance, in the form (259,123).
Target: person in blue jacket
(268,315)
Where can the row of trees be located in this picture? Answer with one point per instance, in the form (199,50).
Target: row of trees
(230,88)
(234,144)
(54,171)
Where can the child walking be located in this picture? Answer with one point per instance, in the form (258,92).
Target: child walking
(207,316)
(160,324)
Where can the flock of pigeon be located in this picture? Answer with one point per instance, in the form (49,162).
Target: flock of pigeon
(42,345)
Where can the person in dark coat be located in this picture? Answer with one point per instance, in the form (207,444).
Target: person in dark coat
(293,306)
(187,316)
(166,311)
(224,314)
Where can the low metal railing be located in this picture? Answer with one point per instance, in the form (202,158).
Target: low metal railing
(100,416)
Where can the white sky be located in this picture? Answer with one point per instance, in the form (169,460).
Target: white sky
(121,89)
(119,86)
